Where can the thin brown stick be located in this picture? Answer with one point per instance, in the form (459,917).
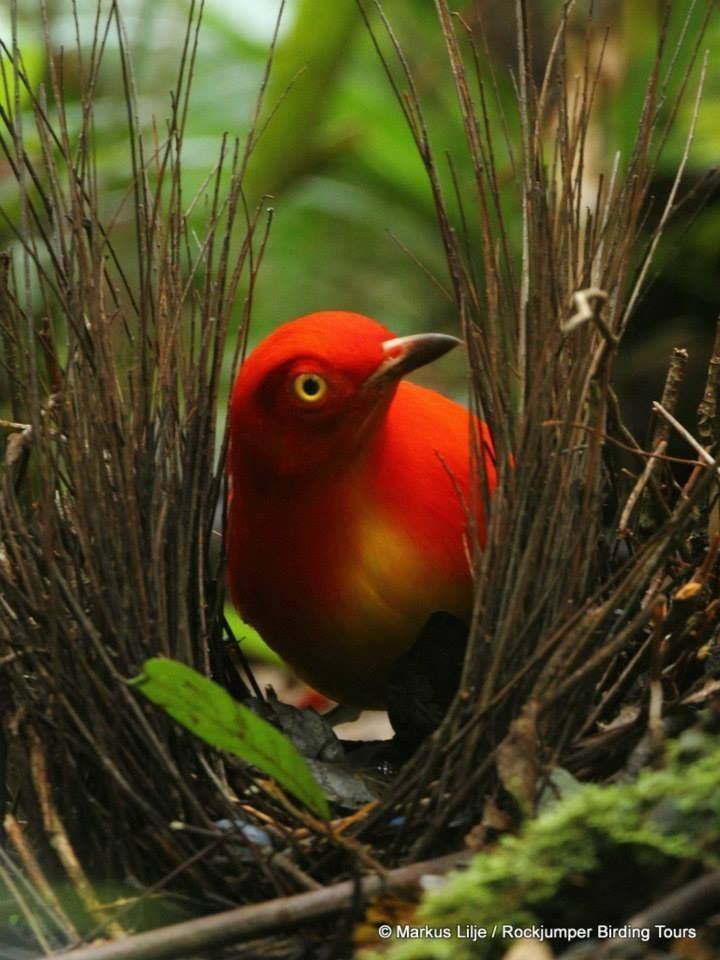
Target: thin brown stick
(35,873)
(28,913)
(246,922)
(667,211)
(638,451)
(671,391)
(707,409)
(687,436)
(640,485)
(12,425)
(60,841)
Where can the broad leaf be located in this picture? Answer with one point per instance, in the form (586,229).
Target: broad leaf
(208,711)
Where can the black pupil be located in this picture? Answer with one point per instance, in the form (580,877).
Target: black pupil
(311,386)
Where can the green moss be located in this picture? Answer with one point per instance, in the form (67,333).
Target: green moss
(665,815)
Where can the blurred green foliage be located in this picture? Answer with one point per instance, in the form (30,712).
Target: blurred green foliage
(252,644)
(336,157)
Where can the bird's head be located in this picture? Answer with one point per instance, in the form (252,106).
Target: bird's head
(315,390)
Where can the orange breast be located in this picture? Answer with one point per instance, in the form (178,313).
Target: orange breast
(339,573)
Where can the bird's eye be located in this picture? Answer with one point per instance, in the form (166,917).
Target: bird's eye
(310,387)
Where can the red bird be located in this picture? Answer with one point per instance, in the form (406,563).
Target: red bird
(349,490)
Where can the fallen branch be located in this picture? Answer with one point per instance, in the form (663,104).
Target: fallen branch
(243,923)
(685,905)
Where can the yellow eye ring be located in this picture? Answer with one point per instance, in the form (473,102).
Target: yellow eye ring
(310,387)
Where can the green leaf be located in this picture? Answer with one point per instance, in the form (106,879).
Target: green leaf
(208,711)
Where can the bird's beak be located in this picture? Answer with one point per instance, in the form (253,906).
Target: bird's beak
(405,354)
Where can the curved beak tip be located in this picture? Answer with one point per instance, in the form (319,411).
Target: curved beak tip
(405,354)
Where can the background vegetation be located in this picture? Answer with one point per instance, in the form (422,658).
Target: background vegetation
(354,225)
(584,656)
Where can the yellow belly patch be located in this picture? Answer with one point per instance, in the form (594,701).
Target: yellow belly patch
(392,587)
(384,580)
(388,587)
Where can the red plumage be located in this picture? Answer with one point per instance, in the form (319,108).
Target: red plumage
(349,499)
